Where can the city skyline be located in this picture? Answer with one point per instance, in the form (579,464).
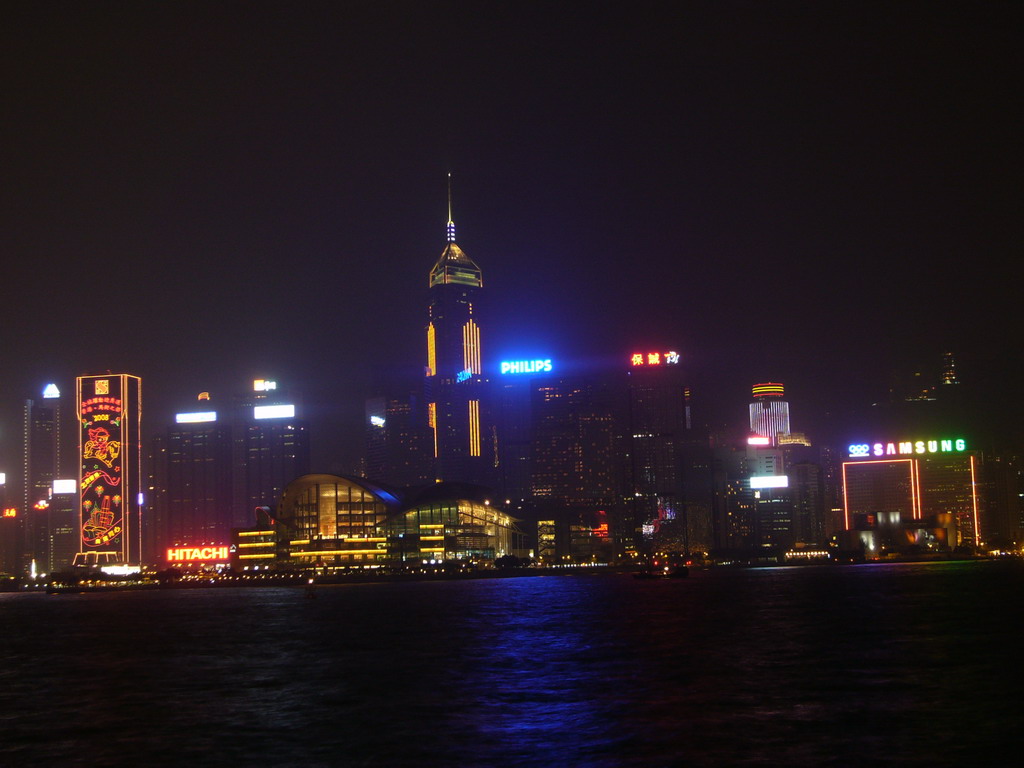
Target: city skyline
(203,198)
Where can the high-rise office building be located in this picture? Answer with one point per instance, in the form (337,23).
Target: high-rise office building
(41,466)
(197,508)
(454,369)
(669,464)
(271,447)
(399,444)
(10,533)
(221,461)
(769,413)
(109,414)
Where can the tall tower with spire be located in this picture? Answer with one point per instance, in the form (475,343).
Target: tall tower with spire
(454,369)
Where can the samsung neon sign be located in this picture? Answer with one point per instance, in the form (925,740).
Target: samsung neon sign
(526,366)
(907,448)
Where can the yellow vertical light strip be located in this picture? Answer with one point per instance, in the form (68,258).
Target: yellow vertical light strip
(431,351)
(474,427)
(471,347)
(432,420)
(476,349)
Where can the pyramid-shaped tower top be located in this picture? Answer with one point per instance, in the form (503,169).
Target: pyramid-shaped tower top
(454,266)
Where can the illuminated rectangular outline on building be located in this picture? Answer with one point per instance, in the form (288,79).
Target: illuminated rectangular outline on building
(198,417)
(769,481)
(915,488)
(974,503)
(273,411)
(109,413)
(906,447)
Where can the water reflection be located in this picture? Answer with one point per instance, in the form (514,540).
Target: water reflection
(799,666)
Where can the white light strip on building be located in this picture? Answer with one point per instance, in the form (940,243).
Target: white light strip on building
(273,412)
(195,418)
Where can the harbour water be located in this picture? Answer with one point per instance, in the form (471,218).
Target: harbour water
(909,664)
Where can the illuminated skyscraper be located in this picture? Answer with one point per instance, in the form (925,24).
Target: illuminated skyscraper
(109,411)
(769,413)
(454,370)
(40,468)
(271,447)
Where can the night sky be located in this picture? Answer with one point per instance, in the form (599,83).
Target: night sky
(206,193)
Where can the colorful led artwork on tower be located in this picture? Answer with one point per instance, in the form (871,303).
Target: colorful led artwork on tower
(108,414)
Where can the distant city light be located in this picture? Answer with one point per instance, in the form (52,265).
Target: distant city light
(464,375)
(526,366)
(10,512)
(906,448)
(3,478)
(758,440)
(51,391)
(65,486)
(377,421)
(121,570)
(263,385)
(769,481)
(273,412)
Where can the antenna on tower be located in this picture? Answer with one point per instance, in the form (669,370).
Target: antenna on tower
(451,224)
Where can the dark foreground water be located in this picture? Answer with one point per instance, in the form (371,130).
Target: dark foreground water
(899,664)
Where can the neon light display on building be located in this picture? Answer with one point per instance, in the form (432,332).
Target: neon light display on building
(526,366)
(769,389)
(907,448)
(654,358)
(196,554)
(108,414)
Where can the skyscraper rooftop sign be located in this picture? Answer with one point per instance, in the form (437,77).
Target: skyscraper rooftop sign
(526,366)
(654,358)
(906,448)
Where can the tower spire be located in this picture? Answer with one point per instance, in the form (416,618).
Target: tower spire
(451,224)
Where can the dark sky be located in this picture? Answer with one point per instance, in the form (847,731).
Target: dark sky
(204,193)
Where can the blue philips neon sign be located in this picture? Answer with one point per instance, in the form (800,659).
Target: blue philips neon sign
(527,366)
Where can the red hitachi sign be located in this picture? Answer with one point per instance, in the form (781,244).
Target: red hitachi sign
(191,554)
